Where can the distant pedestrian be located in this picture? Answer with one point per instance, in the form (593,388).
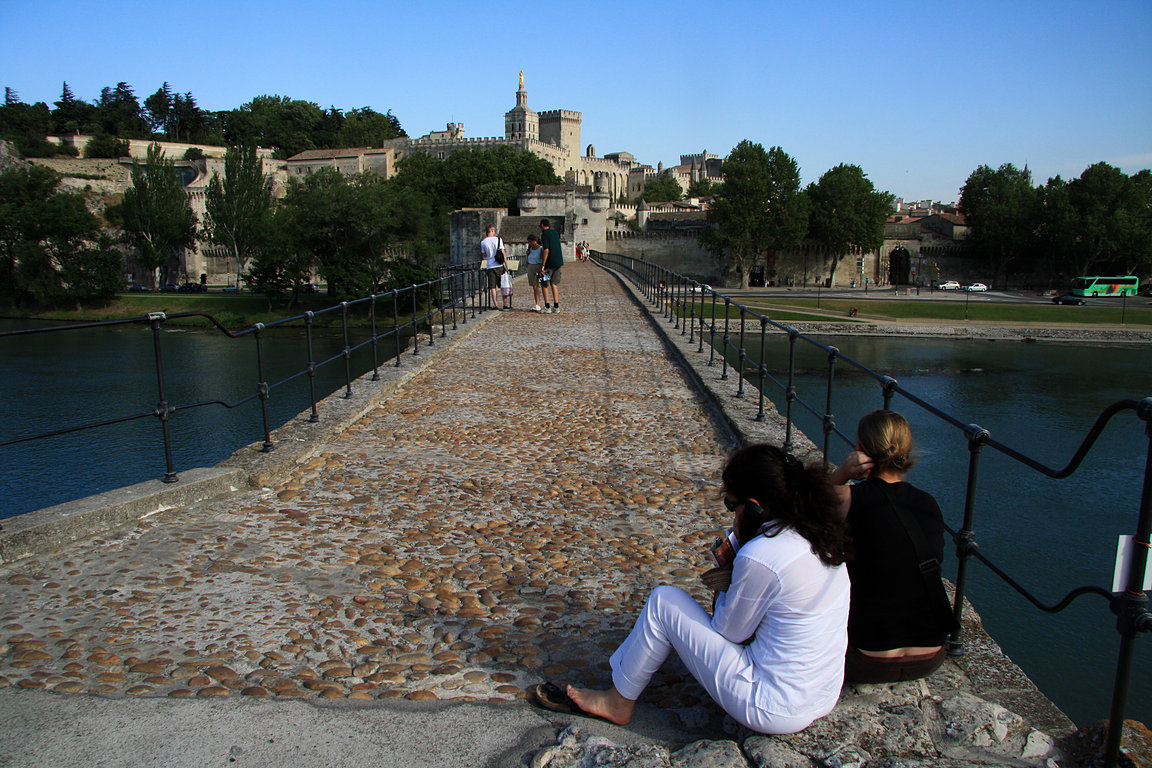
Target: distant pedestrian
(492,249)
(535,261)
(553,260)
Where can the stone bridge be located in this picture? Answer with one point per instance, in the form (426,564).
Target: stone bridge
(489,516)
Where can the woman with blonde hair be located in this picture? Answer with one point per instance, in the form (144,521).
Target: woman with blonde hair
(900,617)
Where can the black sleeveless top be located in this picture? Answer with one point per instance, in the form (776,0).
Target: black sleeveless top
(891,605)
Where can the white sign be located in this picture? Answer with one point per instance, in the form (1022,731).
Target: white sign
(1125,551)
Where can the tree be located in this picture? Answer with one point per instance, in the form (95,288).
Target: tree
(156,213)
(1003,212)
(239,207)
(51,243)
(759,207)
(71,114)
(702,188)
(662,188)
(847,212)
(158,108)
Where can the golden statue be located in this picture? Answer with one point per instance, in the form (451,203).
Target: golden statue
(521,79)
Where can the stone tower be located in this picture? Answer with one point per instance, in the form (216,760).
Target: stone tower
(562,128)
(520,122)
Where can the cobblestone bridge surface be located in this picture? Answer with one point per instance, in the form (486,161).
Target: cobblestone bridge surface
(494,524)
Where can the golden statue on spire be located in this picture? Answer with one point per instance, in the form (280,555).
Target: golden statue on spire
(521,79)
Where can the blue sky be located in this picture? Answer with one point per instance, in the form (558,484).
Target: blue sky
(916,94)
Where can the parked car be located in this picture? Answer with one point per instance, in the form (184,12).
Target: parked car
(169,288)
(137,288)
(976,287)
(193,288)
(228,289)
(1068,299)
(311,288)
(949,285)
(1145,291)
(701,288)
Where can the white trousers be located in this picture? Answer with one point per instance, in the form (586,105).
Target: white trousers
(673,619)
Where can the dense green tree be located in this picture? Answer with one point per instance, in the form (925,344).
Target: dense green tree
(26,125)
(71,114)
(702,188)
(158,110)
(759,208)
(847,212)
(51,244)
(1112,219)
(118,113)
(1003,211)
(106,145)
(365,127)
(239,206)
(275,121)
(662,188)
(156,214)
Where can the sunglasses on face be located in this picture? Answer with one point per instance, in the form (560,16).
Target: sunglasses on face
(731,505)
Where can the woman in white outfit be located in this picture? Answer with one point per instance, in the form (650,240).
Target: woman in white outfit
(772,654)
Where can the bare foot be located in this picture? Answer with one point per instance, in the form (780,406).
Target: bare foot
(609,704)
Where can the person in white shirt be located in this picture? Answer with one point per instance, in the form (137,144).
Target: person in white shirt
(494,267)
(772,653)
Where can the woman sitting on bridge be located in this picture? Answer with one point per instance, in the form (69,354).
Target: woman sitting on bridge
(901,616)
(772,655)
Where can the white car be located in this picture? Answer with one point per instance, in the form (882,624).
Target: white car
(950,285)
(976,287)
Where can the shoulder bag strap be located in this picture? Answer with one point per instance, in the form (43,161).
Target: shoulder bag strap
(928,565)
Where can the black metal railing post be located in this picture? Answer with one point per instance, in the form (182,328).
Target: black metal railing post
(396,324)
(966,538)
(763,366)
(262,389)
(311,366)
(790,390)
(163,410)
(1131,605)
(829,421)
(725,340)
(346,351)
(415,324)
(375,338)
(740,356)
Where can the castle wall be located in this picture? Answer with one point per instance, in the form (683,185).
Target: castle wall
(682,254)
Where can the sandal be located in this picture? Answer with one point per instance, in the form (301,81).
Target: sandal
(555,699)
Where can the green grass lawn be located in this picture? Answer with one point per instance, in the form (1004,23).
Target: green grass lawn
(1138,312)
(234,311)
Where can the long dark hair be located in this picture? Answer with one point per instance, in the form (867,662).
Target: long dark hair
(791,495)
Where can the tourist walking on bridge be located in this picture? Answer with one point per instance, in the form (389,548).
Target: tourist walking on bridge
(772,653)
(492,250)
(553,256)
(900,616)
(535,261)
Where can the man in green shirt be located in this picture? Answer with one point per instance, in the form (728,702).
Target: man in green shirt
(553,259)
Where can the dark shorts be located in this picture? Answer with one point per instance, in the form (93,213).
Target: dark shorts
(860,668)
(494,277)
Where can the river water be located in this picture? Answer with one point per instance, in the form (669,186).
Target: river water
(1041,399)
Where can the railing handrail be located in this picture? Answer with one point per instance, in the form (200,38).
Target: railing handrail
(684,301)
(459,291)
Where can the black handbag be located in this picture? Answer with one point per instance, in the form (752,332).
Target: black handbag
(499,257)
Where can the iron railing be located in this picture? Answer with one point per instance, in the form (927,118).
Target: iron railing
(393,317)
(700,312)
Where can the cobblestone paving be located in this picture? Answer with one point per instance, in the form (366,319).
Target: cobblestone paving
(495,524)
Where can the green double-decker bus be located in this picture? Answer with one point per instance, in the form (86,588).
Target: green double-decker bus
(1105,286)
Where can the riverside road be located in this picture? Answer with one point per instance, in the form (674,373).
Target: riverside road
(494,524)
